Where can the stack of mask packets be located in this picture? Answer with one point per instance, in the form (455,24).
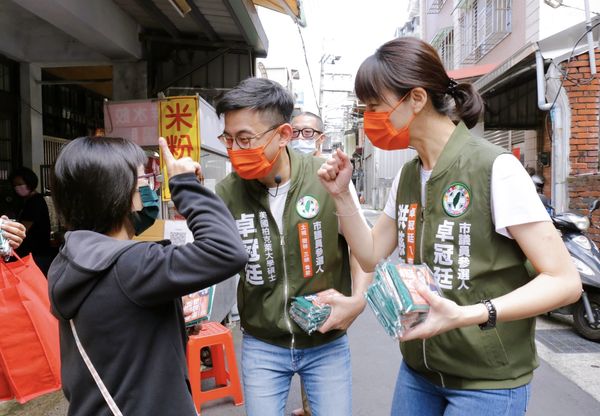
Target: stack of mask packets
(5,248)
(393,296)
(309,312)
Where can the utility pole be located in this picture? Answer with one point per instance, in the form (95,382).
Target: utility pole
(325,59)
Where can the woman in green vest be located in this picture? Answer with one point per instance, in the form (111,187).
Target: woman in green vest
(468,210)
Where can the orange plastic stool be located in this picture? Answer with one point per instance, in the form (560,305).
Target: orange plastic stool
(218,338)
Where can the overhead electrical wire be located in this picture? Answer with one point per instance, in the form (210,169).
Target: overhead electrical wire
(565,73)
(312,84)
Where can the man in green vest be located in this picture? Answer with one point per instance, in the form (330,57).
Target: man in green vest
(288,223)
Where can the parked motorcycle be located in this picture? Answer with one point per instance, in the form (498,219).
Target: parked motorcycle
(585,255)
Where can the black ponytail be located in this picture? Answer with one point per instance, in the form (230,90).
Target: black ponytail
(469,104)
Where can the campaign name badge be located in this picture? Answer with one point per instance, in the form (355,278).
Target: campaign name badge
(307,207)
(457,199)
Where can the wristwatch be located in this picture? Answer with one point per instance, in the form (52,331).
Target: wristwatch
(491,322)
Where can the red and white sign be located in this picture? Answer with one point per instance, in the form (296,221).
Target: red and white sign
(134,120)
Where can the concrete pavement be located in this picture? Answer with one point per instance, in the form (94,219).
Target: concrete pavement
(566,382)
(375,362)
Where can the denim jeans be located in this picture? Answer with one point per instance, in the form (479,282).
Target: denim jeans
(325,370)
(415,395)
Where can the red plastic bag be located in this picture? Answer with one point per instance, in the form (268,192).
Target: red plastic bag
(29,343)
(5,392)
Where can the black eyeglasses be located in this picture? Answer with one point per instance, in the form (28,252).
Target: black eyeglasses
(154,180)
(242,142)
(307,133)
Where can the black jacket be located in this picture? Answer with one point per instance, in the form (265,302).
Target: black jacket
(124,298)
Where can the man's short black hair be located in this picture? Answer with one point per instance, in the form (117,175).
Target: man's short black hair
(28,176)
(262,95)
(320,125)
(94,182)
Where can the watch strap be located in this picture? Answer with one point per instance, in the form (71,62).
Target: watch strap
(491,322)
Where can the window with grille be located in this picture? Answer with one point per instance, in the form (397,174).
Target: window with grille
(9,112)
(435,6)
(443,41)
(482,25)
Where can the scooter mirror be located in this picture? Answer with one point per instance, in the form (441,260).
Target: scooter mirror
(594,205)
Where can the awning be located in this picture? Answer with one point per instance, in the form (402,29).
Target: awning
(560,45)
(471,71)
(557,47)
(522,58)
(441,35)
(292,8)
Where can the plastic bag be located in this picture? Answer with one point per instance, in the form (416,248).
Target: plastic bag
(29,344)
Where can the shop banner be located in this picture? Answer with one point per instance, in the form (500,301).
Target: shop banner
(179,124)
(133,120)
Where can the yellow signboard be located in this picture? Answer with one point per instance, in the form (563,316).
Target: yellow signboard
(179,124)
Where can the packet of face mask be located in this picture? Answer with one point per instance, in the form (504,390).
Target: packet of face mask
(310,311)
(393,296)
(5,248)
(197,306)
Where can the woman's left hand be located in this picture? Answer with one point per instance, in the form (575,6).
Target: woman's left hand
(443,316)
(13,231)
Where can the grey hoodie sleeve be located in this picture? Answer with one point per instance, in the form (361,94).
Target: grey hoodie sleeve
(150,273)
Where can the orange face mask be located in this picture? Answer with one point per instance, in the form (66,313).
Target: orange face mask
(382,133)
(252,163)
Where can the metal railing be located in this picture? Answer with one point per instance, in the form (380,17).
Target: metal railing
(482,25)
(443,41)
(52,146)
(435,6)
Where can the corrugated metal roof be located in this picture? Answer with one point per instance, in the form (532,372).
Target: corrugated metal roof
(215,11)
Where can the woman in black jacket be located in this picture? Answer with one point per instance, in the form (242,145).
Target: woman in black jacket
(120,298)
(34,216)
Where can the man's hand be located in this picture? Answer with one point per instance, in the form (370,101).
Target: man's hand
(344,310)
(177,166)
(13,231)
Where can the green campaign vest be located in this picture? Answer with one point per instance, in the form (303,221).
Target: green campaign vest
(310,255)
(455,236)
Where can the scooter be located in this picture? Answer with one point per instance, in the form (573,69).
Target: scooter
(585,255)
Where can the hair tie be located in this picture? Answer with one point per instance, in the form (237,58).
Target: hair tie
(451,89)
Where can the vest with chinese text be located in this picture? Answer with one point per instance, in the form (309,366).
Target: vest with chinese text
(455,236)
(315,259)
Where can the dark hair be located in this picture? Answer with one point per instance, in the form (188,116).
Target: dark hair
(28,176)
(319,120)
(94,181)
(405,63)
(260,94)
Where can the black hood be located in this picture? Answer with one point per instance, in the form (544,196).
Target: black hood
(84,258)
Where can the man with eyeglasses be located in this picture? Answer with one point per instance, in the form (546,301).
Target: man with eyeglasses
(307,138)
(288,223)
(307,133)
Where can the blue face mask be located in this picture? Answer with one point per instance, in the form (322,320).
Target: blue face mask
(143,219)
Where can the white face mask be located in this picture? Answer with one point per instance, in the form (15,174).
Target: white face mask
(22,190)
(306,146)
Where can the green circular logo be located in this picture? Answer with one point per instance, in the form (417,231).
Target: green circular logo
(307,207)
(456,199)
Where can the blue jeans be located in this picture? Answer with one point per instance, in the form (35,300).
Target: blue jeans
(267,372)
(415,395)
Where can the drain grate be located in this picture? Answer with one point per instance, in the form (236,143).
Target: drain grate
(566,341)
